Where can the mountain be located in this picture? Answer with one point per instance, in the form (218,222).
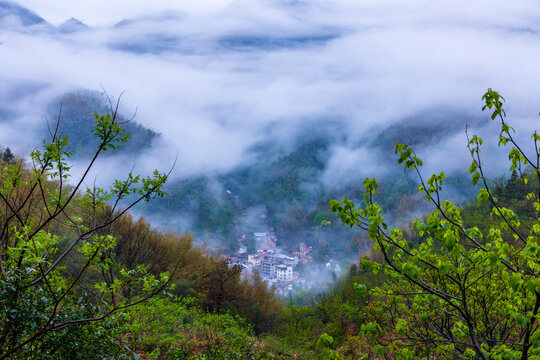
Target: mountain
(12,15)
(427,127)
(76,122)
(282,188)
(245,42)
(72,25)
(10,12)
(156,43)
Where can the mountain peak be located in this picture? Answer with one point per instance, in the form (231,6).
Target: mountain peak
(72,25)
(10,10)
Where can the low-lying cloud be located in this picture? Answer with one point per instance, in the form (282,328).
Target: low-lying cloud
(217,78)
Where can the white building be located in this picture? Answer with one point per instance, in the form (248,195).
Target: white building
(284,272)
(287,260)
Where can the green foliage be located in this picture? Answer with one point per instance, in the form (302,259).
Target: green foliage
(463,292)
(325,342)
(45,223)
(339,312)
(168,328)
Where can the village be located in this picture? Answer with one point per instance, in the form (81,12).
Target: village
(258,253)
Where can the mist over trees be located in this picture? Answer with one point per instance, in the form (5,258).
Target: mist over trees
(293,215)
(38,302)
(74,112)
(282,185)
(473,293)
(76,268)
(80,275)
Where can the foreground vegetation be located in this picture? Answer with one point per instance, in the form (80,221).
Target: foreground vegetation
(474,294)
(81,279)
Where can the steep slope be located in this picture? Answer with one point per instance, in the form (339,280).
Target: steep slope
(10,12)
(76,122)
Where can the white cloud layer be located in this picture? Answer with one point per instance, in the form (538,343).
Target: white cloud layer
(217,76)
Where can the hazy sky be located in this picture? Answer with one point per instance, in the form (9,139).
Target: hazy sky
(215,77)
(106,12)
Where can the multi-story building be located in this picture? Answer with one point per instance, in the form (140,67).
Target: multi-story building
(269,268)
(284,272)
(287,260)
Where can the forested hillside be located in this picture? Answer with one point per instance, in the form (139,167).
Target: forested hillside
(75,110)
(282,188)
(269,179)
(82,278)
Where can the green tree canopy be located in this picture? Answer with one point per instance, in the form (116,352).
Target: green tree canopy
(48,219)
(462,293)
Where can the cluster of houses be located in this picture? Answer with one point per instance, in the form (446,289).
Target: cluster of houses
(258,253)
(275,267)
(272,264)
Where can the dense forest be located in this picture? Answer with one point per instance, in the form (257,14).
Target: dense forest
(282,185)
(84,279)
(332,196)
